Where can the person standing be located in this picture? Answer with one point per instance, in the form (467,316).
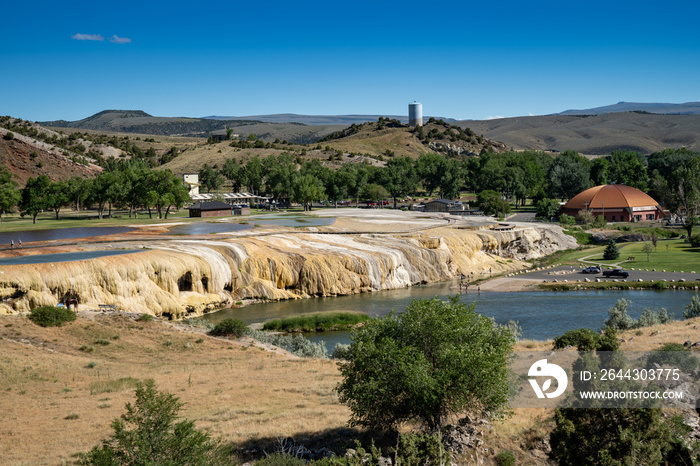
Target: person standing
(20,242)
(12,244)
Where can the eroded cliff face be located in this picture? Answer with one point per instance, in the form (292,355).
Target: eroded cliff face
(187,278)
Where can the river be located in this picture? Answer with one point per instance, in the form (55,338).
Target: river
(541,314)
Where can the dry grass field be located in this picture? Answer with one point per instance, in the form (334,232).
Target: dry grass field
(61,387)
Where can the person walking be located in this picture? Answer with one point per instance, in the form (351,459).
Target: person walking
(20,242)
(12,244)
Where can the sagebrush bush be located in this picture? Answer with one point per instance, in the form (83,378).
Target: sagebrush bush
(229,328)
(297,344)
(340,351)
(620,320)
(692,309)
(50,316)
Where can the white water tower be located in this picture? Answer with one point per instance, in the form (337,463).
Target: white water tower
(415,114)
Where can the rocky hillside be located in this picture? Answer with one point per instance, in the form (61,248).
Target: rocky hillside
(392,138)
(26,157)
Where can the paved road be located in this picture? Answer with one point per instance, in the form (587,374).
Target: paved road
(573,274)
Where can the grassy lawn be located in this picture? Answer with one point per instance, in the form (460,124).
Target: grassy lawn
(670,254)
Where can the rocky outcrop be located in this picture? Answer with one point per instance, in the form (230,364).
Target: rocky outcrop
(188,277)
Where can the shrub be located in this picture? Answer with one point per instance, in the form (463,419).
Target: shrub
(584,339)
(620,320)
(547,208)
(340,351)
(674,355)
(618,317)
(229,327)
(694,240)
(505,458)
(567,220)
(611,251)
(144,318)
(692,309)
(50,316)
(599,222)
(148,434)
(296,344)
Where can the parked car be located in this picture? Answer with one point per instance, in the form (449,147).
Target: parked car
(616,273)
(591,269)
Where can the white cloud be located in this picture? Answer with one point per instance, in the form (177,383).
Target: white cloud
(496,117)
(119,40)
(97,37)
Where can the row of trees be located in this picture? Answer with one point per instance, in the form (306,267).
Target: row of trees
(129,184)
(515,176)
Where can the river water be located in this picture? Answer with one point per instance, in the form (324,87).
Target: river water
(541,314)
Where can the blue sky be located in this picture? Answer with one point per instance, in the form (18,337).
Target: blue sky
(464,60)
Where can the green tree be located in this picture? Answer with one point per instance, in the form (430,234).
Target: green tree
(209,178)
(569,174)
(374,192)
(253,175)
(399,177)
(149,434)
(599,171)
(308,189)
(35,196)
(492,203)
(281,177)
(233,171)
(430,168)
(9,194)
(435,359)
(648,248)
(611,251)
(58,196)
(547,208)
(627,167)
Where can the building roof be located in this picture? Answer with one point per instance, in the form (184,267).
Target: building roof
(442,201)
(234,196)
(213,205)
(610,196)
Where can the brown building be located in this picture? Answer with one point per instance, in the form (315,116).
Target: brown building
(210,209)
(443,205)
(616,203)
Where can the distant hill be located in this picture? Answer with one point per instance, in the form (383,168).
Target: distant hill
(593,134)
(346,120)
(689,108)
(140,122)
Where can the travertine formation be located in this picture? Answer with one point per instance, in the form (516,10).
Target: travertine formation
(187,278)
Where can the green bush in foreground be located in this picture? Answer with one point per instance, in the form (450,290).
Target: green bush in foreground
(147,434)
(435,359)
(229,327)
(50,316)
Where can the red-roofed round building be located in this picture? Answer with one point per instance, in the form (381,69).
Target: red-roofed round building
(617,203)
